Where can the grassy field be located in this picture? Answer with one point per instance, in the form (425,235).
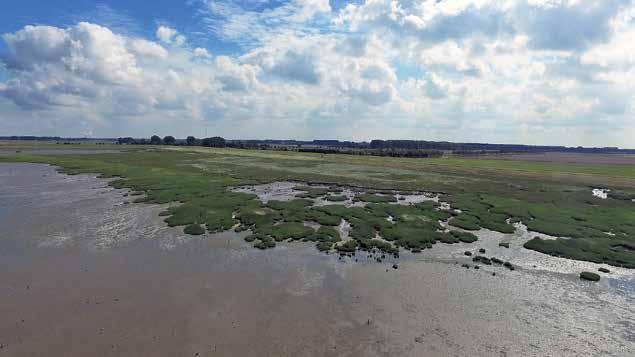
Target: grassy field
(551,198)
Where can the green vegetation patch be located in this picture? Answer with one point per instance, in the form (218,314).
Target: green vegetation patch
(374,198)
(381,245)
(266,243)
(324,246)
(347,247)
(465,237)
(587,275)
(597,250)
(311,192)
(621,195)
(325,237)
(194,229)
(324,234)
(287,230)
(257,215)
(291,211)
(322,217)
(466,222)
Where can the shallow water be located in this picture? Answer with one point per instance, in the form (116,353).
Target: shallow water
(602,193)
(85,274)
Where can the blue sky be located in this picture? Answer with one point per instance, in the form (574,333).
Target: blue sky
(517,71)
(137,18)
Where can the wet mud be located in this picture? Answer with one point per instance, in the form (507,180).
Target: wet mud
(85,273)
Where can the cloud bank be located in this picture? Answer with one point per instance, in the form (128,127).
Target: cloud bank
(531,71)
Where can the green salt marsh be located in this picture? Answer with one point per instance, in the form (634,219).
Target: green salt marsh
(586,227)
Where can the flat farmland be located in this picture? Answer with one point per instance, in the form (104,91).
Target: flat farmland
(567,158)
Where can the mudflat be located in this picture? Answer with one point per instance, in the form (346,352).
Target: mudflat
(85,273)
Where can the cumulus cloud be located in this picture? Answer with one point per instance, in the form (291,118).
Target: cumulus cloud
(235,77)
(296,66)
(166,34)
(169,35)
(569,25)
(35,44)
(202,52)
(88,68)
(144,48)
(534,70)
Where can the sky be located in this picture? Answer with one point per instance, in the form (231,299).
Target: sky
(547,72)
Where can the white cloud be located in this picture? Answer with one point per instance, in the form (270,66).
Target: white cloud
(505,71)
(144,48)
(36,44)
(91,68)
(306,9)
(179,40)
(169,35)
(202,52)
(165,33)
(235,77)
(615,54)
(234,20)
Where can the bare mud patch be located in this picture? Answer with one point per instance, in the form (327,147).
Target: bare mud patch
(98,277)
(287,190)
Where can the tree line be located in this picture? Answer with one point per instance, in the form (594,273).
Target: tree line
(472,148)
(377,152)
(215,141)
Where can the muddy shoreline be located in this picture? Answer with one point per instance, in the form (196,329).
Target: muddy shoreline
(85,274)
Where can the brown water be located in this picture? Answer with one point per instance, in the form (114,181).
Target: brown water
(83,274)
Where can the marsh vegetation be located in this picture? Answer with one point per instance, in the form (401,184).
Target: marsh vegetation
(472,195)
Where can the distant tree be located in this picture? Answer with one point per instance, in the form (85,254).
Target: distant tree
(155,140)
(376,144)
(126,140)
(215,142)
(190,141)
(169,140)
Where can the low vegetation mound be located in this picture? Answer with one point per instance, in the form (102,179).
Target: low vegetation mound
(375,198)
(587,275)
(311,191)
(194,229)
(465,237)
(336,198)
(598,250)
